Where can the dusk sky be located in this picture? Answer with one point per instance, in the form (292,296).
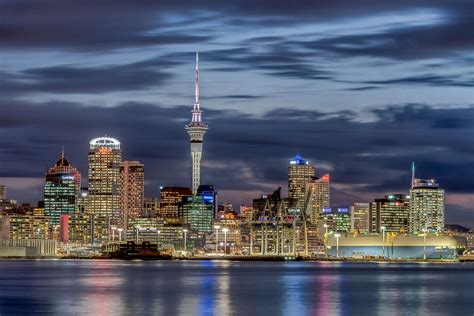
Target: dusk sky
(360,88)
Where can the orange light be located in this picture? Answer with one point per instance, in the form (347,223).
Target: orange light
(104,150)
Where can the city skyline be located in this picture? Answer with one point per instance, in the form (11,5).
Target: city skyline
(311,88)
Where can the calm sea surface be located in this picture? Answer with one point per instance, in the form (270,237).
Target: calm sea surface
(239,288)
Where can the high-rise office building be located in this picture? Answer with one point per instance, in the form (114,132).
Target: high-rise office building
(61,190)
(209,195)
(197,213)
(426,206)
(300,172)
(196,130)
(337,219)
(171,199)
(391,212)
(316,197)
(360,217)
(103,200)
(3,192)
(132,189)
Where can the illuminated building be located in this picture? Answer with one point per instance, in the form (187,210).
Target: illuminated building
(171,199)
(360,217)
(3,192)
(86,228)
(196,130)
(391,212)
(103,200)
(29,247)
(61,190)
(300,172)
(151,207)
(426,206)
(132,189)
(197,213)
(64,228)
(317,195)
(24,227)
(209,195)
(81,204)
(233,234)
(155,230)
(337,219)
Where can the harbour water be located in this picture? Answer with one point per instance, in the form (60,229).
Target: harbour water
(107,287)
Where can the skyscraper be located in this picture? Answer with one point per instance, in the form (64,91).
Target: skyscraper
(105,157)
(360,217)
(391,212)
(132,188)
(318,194)
(171,199)
(196,130)
(300,172)
(426,206)
(61,190)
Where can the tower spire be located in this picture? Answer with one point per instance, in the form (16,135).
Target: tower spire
(62,152)
(196,83)
(412,174)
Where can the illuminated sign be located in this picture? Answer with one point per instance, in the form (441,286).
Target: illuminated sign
(104,150)
(343,210)
(327,210)
(67,177)
(208,198)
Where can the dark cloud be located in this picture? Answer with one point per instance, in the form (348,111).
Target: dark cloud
(430,79)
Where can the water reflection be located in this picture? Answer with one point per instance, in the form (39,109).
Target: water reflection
(233,288)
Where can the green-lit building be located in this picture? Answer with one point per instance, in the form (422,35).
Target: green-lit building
(61,190)
(197,211)
(337,219)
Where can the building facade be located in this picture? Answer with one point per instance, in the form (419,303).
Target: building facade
(300,172)
(197,214)
(391,212)
(103,198)
(426,206)
(132,189)
(317,196)
(360,217)
(337,219)
(171,199)
(61,190)
(25,227)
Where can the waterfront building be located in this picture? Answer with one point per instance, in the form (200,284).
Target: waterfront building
(337,219)
(360,217)
(16,226)
(426,206)
(28,248)
(300,172)
(171,199)
(196,130)
(197,213)
(88,228)
(103,198)
(226,230)
(132,189)
(61,190)
(317,196)
(156,230)
(391,212)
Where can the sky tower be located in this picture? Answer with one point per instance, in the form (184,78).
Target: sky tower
(196,130)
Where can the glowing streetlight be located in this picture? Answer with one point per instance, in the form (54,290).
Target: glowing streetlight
(225,230)
(337,235)
(185,231)
(383,228)
(113,233)
(216,227)
(137,227)
(424,243)
(120,233)
(158,232)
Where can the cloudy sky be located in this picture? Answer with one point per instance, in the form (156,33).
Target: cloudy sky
(361,89)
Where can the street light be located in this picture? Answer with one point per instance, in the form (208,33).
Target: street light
(113,233)
(225,230)
(337,235)
(185,231)
(120,233)
(424,243)
(217,237)
(158,232)
(138,229)
(383,240)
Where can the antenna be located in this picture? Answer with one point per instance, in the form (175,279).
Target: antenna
(412,174)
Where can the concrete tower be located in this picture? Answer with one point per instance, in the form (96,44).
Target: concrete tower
(196,130)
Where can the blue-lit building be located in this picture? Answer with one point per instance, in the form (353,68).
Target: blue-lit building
(209,196)
(300,172)
(61,190)
(197,211)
